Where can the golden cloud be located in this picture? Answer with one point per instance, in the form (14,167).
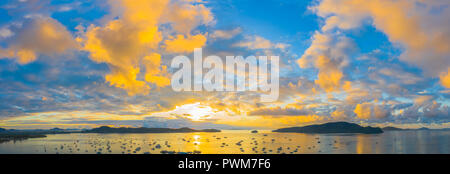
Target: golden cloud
(154,73)
(328,54)
(370,110)
(180,44)
(278,111)
(445,79)
(272,122)
(39,36)
(338,115)
(132,41)
(414,24)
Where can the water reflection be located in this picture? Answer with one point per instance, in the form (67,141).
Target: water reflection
(232,142)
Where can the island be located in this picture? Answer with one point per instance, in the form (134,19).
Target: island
(333,127)
(7,135)
(107,129)
(18,137)
(11,135)
(390,128)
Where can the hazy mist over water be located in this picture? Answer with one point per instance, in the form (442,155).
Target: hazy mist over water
(232,142)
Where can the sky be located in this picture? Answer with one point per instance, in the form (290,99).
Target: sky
(84,64)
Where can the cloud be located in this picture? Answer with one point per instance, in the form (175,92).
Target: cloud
(184,122)
(65,8)
(445,78)
(414,24)
(37,36)
(401,76)
(272,122)
(180,44)
(154,73)
(225,34)
(132,41)
(370,110)
(370,88)
(186,15)
(328,53)
(258,42)
(427,106)
(5,32)
(278,111)
(339,115)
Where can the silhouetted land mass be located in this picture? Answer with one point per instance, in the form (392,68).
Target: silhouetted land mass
(390,128)
(333,127)
(40,131)
(56,129)
(7,135)
(18,135)
(106,129)
(423,128)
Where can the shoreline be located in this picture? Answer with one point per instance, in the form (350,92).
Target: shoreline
(4,138)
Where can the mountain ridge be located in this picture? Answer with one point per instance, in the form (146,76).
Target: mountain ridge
(107,129)
(332,127)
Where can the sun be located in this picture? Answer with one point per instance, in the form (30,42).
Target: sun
(200,113)
(194,111)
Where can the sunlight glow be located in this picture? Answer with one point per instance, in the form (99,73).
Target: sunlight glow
(195,111)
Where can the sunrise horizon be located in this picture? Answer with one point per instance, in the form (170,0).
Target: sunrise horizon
(224,77)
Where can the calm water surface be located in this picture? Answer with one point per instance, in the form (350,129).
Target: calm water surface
(226,142)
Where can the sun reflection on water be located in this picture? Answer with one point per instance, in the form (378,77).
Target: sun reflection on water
(232,142)
(196,139)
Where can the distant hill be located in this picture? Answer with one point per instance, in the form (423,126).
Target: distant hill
(106,129)
(390,128)
(423,128)
(56,129)
(42,131)
(333,127)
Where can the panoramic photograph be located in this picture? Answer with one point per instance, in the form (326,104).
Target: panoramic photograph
(224,77)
